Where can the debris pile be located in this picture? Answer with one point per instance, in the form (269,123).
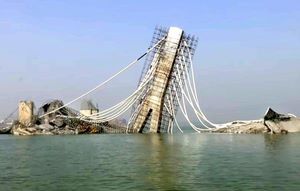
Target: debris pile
(272,122)
(5,128)
(65,121)
(62,122)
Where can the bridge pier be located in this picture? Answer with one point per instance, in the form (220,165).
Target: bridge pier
(26,112)
(150,113)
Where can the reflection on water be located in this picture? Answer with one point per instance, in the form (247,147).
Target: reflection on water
(274,141)
(150,162)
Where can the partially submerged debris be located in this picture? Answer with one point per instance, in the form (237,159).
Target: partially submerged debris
(237,127)
(5,128)
(272,122)
(51,106)
(271,115)
(62,122)
(280,123)
(65,122)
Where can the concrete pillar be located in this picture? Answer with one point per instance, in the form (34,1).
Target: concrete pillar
(152,105)
(26,112)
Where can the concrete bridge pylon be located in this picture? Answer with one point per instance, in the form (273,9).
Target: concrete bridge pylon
(150,114)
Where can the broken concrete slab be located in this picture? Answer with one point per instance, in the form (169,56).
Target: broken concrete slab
(272,122)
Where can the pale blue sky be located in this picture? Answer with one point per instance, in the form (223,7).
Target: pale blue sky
(248,56)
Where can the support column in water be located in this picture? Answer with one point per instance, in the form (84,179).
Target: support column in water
(150,112)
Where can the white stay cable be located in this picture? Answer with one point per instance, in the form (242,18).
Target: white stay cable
(183,106)
(188,99)
(171,111)
(106,81)
(120,104)
(114,115)
(192,68)
(130,98)
(123,107)
(194,92)
(137,109)
(169,125)
(117,106)
(114,108)
(188,89)
(106,117)
(120,111)
(171,103)
(184,114)
(117,114)
(188,119)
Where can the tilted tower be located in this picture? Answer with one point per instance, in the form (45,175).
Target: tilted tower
(150,113)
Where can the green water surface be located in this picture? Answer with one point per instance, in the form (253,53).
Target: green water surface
(150,162)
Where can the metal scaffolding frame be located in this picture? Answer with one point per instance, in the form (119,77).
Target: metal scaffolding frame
(186,48)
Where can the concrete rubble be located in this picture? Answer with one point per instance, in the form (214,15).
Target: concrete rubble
(62,122)
(272,122)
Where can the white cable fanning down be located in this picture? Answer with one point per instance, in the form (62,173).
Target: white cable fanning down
(134,114)
(113,115)
(106,81)
(170,120)
(183,106)
(98,118)
(183,97)
(183,112)
(127,103)
(172,113)
(171,103)
(190,89)
(107,116)
(194,91)
(136,111)
(120,111)
(117,106)
(120,104)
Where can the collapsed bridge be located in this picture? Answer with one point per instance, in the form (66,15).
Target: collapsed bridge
(166,85)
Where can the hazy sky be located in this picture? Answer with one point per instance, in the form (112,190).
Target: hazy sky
(248,56)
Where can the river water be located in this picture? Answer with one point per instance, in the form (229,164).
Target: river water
(150,162)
